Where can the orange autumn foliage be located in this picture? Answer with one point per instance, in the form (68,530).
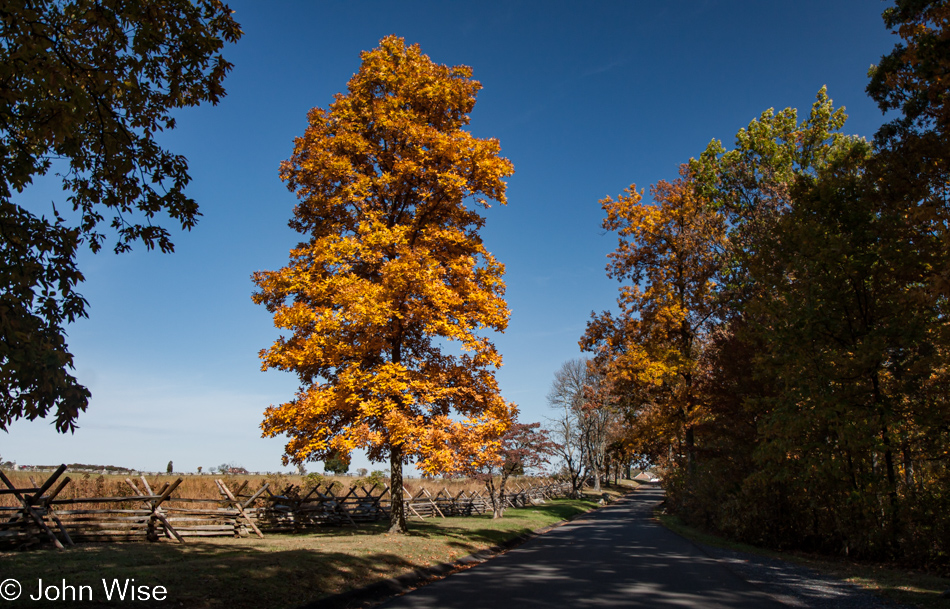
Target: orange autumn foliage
(393,273)
(668,254)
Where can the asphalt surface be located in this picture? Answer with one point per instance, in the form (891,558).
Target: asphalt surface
(616,556)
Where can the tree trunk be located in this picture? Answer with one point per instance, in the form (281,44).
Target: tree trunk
(397,511)
(500,502)
(690,446)
(908,466)
(889,472)
(577,481)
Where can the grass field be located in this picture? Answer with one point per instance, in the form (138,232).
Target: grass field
(905,586)
(278,571)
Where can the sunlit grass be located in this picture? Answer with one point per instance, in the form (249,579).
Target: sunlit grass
(282,570)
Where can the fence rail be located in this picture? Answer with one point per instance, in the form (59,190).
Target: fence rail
(153,514)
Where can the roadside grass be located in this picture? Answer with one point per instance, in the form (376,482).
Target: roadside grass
(281,570)
(906,586)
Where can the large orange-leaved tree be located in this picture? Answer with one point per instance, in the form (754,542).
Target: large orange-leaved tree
(383,306)
(670,253)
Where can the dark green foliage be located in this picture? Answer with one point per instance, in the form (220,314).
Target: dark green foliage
(37,299)
(827,380)
(89,83)
(336,464)
(911,77)
(832,436)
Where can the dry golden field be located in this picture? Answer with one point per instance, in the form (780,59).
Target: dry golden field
(194,486)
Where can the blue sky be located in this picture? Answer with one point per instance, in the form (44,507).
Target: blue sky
(585,98)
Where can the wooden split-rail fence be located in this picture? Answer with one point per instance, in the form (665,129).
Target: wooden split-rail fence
(290,510)
(153,514)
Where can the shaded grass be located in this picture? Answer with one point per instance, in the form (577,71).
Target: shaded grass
(281,570)
(906,586)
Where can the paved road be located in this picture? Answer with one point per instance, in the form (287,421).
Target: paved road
(613,557)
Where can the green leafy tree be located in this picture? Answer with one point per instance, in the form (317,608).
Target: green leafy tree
(757,186)
(337,464)
(87,85)
(827,274)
